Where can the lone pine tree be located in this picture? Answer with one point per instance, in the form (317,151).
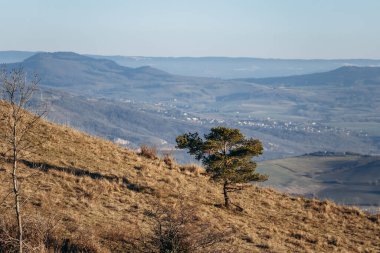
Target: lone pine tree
(227,156)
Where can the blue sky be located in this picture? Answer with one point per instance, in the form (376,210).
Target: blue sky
(245,28)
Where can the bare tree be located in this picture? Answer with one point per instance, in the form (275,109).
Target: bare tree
(18,127)
(178,229)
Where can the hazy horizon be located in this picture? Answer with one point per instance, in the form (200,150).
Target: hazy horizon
(195,57)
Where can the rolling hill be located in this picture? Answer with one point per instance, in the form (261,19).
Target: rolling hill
(88,194)
(218,67)
(122,122)
(344,76)
(290,120)
(70,70)
(101,78)
(237,67)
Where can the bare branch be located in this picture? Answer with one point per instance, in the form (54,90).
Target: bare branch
(19,126)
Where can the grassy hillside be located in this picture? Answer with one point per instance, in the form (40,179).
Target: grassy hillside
(99,197)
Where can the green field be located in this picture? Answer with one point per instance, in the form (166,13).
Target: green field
(346,179)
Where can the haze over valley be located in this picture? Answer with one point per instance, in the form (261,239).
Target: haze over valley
(314,112)
(334,111)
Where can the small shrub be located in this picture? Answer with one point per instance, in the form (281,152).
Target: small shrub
(85,245)
(169,161)
(179,230)
(148,151)
(44,234)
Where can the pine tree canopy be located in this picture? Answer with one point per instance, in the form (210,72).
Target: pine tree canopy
(225,153)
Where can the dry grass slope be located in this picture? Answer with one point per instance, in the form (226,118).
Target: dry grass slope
(97,194)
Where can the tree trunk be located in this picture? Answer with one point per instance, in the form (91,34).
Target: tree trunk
(225,193)
(16,191)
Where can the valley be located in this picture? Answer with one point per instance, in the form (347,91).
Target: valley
(291,115)
(295,119)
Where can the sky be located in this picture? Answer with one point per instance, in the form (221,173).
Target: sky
(302,29)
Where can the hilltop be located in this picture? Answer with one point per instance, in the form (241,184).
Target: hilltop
(99,196)
(345,76)
(67,69)
(103,78)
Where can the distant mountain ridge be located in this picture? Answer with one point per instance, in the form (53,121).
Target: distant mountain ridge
(347,75)
(88,76)
(69,69)
(178,104)
(219,67)
(239,67)
(71,56)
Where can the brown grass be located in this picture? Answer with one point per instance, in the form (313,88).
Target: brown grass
(192,169)
(99,194)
